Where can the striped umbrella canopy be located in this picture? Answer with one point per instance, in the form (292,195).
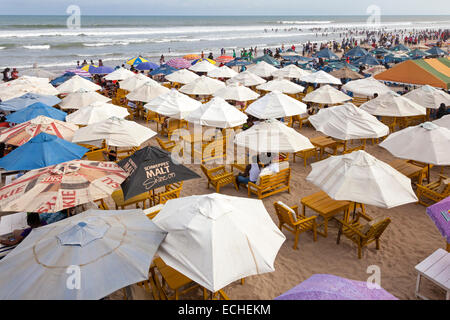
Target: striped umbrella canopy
(203,59)
(178,63)
(224,59)
(22,133)
(136,60)
(80,72)
(191,57)
(62,186)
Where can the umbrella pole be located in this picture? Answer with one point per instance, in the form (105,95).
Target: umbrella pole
(428,175)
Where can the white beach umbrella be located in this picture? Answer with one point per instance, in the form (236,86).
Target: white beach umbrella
(291,72)
(96,112)
(281,85)
(272,136)
(202,66)
(262,69)
(136,81)
(392,104)
(202,86)
(81,99)
(429,97)
(76,83)
(173,104)
(275,105)
(427,143)
(222,72)
(247,79)
(346,122)
(147,92)
(216,239)
(236,92)
(217,113)
(320,77)
(95,243)
(119,74)
(115,131)
(326,95)
(362,178)
(443,122)
(182,76)
(366,87)
(16,88)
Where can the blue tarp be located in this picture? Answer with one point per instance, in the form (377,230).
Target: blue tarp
(28,99)
(34,110)
(42,151)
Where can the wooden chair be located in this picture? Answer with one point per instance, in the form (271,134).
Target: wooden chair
(97,155)
(270,184)
(101,204)
(139,200)
(363,234)
(294,222)
(434,191)
(151,116)
(298,119)
(172,191)
(306,154)
(357,101)
(425,167)
(166,145)
(219,177)
(172,125)
(213,151)
(123,153)
(362,147)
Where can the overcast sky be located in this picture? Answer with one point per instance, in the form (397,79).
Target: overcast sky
(228,7)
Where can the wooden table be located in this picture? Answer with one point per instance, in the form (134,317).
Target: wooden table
(323,142)
(326,207)
(408,169)
(193,139)
(435,268)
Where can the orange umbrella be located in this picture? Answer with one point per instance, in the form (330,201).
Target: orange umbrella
(224,59)
(191,57)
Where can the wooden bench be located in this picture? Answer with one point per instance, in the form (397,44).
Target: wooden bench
(271,184)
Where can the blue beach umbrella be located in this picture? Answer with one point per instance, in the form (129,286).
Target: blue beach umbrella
(34,110)
(417,54)
(356,52)
(100,70)
(400,47)
(147,66)
(268,59)
(326,54)
(366,60)
(42,151)
(238,63)
(380,51)
(28,99)
(163,70)
(436,51)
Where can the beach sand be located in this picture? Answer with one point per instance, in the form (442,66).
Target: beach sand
(410,238)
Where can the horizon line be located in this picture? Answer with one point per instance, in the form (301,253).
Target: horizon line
(228,15)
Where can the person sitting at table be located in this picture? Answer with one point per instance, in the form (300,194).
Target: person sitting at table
(33,221)
(250,174)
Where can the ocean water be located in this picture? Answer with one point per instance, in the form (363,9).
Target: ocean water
(48,42)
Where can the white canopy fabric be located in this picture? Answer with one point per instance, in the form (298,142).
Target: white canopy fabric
(95,243)
(272,136)
(429,97)
(216,239)
(427,143)
(182,76)
(362,178)
(147,92)
(76,83)
(291,71)
(247,79)
(366,87)
(136,81)
(392,104)
(202,66)
(281,85)
(327,95)
(346,122)
(217,113)
(173,104)
(17,88)
(320,77)
(236,92)
(202,86)
(262,69)
(115,131)
(222,72)
(96,112)
(119,74)
(443,122)
(82,98)
(275,105)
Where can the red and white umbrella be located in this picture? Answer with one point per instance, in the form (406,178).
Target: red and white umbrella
(61,186)
(22,133)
